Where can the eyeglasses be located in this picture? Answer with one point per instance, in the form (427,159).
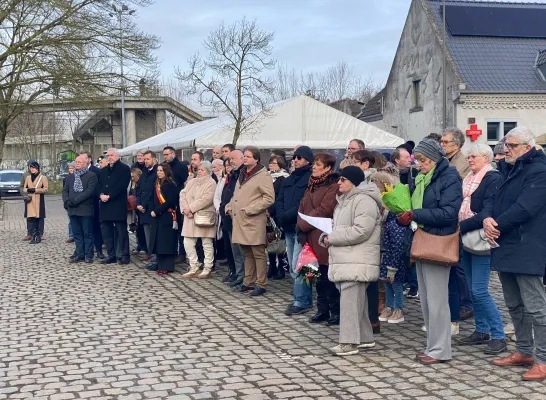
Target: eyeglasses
(342,179)
(514,145)
(353,148)
(298,158)
(446,141)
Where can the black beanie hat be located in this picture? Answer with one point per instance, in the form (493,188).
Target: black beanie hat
(354,174)
(34,164)
(304,152)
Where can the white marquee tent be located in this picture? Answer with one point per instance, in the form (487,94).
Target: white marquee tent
(296,121)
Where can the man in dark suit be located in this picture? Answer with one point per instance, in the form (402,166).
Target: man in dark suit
(145,197)
(78,199)
(114,181)
(97,233)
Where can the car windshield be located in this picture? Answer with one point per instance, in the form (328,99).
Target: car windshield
(11,177)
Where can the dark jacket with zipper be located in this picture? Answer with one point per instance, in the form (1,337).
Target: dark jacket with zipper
(85,200)
(163,238)
(146,192)
(520,212)
(289,197)
(441,202)
(114,181)
(482,201)
(227,195)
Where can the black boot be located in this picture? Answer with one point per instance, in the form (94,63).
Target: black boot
(272,271)
(280,274)
(319,317)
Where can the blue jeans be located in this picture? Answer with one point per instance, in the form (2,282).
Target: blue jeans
(412,277)
(454,299)
(394,295)
(82,228)
(486,314)
(70,233)
(303,293)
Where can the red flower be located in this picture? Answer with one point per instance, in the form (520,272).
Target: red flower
(309,275)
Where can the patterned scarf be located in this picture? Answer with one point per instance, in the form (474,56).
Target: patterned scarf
(78,186)
(277,174)
(470,184)
(316,181)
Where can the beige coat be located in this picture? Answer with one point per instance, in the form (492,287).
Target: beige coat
(248,208)
(198,195)
(33,208)
(356,236)
(459,161)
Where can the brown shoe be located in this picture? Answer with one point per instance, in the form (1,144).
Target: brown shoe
(537,373)
(381,306)
(206,274)
(376,328)
(513,360)
(70,241)
(146,257)
(191,274)
(419,356)
(426,360)
(27,238)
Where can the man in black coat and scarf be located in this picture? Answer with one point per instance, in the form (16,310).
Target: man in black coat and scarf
(145,198)
(180,176)
(78,199)
(114,181)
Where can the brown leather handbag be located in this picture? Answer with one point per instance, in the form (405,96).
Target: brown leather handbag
(434,249)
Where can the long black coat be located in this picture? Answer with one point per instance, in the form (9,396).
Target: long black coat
(180,173)
(520,212)
(85,201)
(288,200)
(227,195)
(163,237)
(441,202)
(146,192)
(114,181)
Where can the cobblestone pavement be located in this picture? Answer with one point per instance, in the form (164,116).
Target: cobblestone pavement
(120,332)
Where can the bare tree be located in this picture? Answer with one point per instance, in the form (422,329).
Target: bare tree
(65,49)
(30,131)
(230,79)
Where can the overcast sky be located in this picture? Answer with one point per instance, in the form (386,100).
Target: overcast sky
(310,35)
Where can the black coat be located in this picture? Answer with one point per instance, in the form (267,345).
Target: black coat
(227,195)
(481,202)
(408,177)
(277,188)
(288,201)
(441,202)
(163,238)
(114,181)
(520,212)
(180,173)
(140,166)
(146,192)
(85,201)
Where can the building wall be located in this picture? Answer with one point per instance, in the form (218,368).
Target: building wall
(418,57)
(526,109)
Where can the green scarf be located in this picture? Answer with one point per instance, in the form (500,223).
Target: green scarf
(421,183)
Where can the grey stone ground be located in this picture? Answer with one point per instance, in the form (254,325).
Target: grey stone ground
(120,332)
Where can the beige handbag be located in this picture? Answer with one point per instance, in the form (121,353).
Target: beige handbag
(204,219)
(434,249)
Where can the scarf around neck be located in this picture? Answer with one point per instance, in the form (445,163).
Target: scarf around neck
(277,174)
(470,184)
(421,183)
(78,185)
(316,181)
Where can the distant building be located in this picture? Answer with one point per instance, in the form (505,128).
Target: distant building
(495,71)
(348,106)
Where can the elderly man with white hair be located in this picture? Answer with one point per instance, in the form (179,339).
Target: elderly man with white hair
(516,224)
(113,183)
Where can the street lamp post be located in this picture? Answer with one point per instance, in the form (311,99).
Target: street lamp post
(119,12)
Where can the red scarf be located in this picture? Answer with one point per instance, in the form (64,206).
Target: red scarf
(162,200)
(316,181)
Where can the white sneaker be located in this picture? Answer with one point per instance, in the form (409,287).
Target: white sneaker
(454,328)
(344,349)
(509,329)
(424,328)
(366,345)
(396,317)
(386,314)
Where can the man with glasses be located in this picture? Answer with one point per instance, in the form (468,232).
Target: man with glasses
(452,142)
(516,224)
(180,176)
(354,145)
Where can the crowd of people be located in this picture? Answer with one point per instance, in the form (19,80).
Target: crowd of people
(235,209)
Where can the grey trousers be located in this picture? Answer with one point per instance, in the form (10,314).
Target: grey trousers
(526,302)
(354,324)
(239,259)
(148,234)
(433,293)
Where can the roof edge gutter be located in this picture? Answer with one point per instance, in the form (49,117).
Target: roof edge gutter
(500,92)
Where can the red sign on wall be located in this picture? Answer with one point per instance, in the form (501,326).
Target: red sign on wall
(473,132)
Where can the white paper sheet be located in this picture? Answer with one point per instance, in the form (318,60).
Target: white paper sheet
(323,224)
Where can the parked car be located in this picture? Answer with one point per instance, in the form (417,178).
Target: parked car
(10,182)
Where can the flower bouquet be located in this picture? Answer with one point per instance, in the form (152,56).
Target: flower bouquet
(396,198)
(308,266)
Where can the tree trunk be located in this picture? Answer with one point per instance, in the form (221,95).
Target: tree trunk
(236,132)
(3,135)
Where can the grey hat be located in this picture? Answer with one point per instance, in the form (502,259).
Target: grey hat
(499,148)
(431,149)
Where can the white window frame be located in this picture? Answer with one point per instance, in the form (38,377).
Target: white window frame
(501,127)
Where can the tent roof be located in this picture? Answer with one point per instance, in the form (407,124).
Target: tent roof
(288,123)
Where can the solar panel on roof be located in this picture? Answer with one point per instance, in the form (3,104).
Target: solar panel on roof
(496,21)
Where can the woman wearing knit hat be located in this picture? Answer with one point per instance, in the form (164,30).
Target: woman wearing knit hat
(353,246)
(436,201)
(34,188)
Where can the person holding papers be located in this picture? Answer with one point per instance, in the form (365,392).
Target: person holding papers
(319,200)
